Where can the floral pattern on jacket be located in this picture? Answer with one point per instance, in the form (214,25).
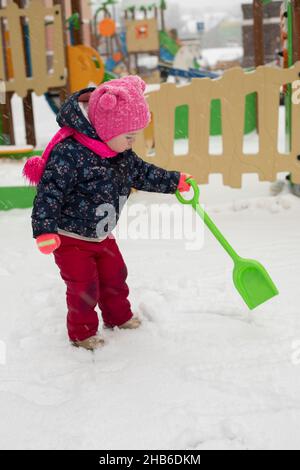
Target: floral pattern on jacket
(77,183)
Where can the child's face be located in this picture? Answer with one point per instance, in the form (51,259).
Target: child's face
(123,142)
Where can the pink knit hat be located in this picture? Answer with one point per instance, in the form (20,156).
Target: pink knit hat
(119,106)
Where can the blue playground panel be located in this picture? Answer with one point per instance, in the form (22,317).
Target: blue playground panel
(123,43)
(165,55)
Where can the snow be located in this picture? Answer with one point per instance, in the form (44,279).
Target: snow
(14,148)
(11,172)
(212,55)
(202,372)
(44,119)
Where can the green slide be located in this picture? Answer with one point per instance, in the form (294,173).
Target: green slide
(168,43)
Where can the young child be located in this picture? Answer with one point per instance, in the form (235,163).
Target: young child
(85,169)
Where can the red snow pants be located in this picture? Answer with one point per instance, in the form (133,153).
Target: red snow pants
(94,273)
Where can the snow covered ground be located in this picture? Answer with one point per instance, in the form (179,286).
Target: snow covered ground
(213,55)
(201,373)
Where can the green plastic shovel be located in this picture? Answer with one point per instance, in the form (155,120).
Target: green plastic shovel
(250,278)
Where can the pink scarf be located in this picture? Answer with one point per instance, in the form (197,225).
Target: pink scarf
(35,166)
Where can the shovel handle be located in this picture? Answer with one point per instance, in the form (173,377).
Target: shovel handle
(194,202)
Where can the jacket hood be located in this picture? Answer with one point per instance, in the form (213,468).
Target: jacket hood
(71,115)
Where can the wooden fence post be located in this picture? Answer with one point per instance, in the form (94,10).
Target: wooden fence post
(296,29)
(27,100)
(258,33)
(7,136)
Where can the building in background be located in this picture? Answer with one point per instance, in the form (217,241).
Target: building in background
(271,15)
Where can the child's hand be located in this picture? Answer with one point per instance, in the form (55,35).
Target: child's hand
(183,185)
(48,242)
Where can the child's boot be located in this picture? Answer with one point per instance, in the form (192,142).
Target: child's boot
(91,343)
(131,324)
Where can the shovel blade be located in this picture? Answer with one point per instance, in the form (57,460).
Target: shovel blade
(253,282)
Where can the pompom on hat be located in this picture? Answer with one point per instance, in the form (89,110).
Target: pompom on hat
(119,106)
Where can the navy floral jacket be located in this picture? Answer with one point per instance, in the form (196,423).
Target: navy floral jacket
(77,183)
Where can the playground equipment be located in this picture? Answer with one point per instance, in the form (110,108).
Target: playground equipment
(105,30)
(181,113)
(208,106)
(85,65)
(25,68)
(250,278)
(28,65)
(289,23)
(143,36)
(290,42)
(231,89)
(23,62)
(168,47)
(190,73)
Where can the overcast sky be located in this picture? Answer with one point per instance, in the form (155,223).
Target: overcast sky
(209,3)
(201,5)
(198,3)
